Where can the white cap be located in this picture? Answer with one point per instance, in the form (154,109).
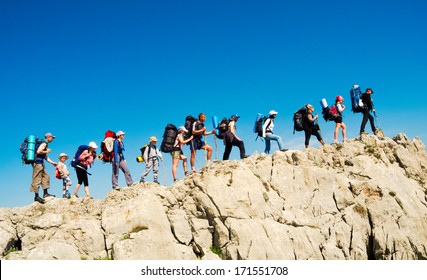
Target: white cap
(93,145)
(356,86)
(120,133)
(182,128)
(62,155)
(272,112)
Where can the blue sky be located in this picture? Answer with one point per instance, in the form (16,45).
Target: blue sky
(79,68)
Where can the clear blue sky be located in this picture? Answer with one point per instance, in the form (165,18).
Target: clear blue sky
(78,68)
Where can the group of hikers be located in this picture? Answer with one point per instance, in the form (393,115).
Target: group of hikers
(190,134)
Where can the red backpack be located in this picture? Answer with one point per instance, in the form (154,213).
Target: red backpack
(107,146)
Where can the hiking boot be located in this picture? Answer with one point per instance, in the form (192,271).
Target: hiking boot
(363,133)
(284,150)
(39,200)
(245,156)
(46,195)
(175,180)
(67,195)
(188,173)
(157,182)
(76,196)
(116,188)
(142,180)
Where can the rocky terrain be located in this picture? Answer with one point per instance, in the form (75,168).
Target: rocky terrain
(364,199)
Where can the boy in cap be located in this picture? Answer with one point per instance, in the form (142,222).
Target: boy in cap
(40,176)
(61,168)
(119,162)
(151,156)
(177,154)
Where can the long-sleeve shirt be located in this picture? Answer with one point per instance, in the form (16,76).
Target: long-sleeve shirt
(118,149)
(267,127)
(152,151)
(62,168)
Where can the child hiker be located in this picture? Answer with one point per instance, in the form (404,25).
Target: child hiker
(151,157)
(64,174)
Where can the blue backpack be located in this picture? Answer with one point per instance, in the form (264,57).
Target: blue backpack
(356,101)
(29,148)
(80,150)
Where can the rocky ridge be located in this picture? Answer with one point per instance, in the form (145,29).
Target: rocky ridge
(364,199)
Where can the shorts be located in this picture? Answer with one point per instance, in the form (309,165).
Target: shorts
(196,144)
(176,154)
(338,119)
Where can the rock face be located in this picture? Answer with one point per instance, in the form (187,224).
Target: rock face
(364,199)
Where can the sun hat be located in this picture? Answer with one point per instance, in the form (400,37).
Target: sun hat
(272,112)
(153,139)
(62,155)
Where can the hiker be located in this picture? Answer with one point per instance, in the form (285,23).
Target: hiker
(178,155)
(151,157)
(64,175)
(267,133)
(338,120)
(40,176)
(310,126)
(85,161)
(119,162)
(197,143)
(231,139)
(368,106)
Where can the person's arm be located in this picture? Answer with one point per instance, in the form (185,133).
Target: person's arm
(116,151)
(311,118)
(232,128)
(264,127)
(182,141)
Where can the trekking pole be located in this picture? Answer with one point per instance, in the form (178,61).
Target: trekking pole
(216,148)
(164,172)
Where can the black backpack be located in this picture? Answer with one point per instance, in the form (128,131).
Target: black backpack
(169,138)
(189,121)
(222,128)
(299,119)
(260,124)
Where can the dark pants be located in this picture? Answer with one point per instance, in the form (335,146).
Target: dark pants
(367,116)
(310,131)
(229,146)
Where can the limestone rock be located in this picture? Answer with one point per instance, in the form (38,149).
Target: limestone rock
(363,199)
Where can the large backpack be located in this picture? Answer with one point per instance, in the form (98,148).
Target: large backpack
(222,128)
(107,146)
(189,121)
(169,138)
(259,124)
(330,113)
(356,99)
(29,148)
(79,151)
(299,119)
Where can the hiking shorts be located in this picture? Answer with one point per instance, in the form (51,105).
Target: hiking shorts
(176,154)
(196,144)
(338,119)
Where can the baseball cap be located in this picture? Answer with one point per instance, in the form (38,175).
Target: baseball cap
(120,133)
(182,128)
(49,134)
(272,112)
(93,145)
(235,116)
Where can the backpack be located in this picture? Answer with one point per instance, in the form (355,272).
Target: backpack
(330,113)
(29,148)
(169,138)
(107,146)
(57,174)
(222,128)
(141,157)
(299,119)
(259,124)
(189,121)
(79,151)
(356,99)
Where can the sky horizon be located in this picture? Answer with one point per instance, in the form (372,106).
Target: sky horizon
(80,68)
